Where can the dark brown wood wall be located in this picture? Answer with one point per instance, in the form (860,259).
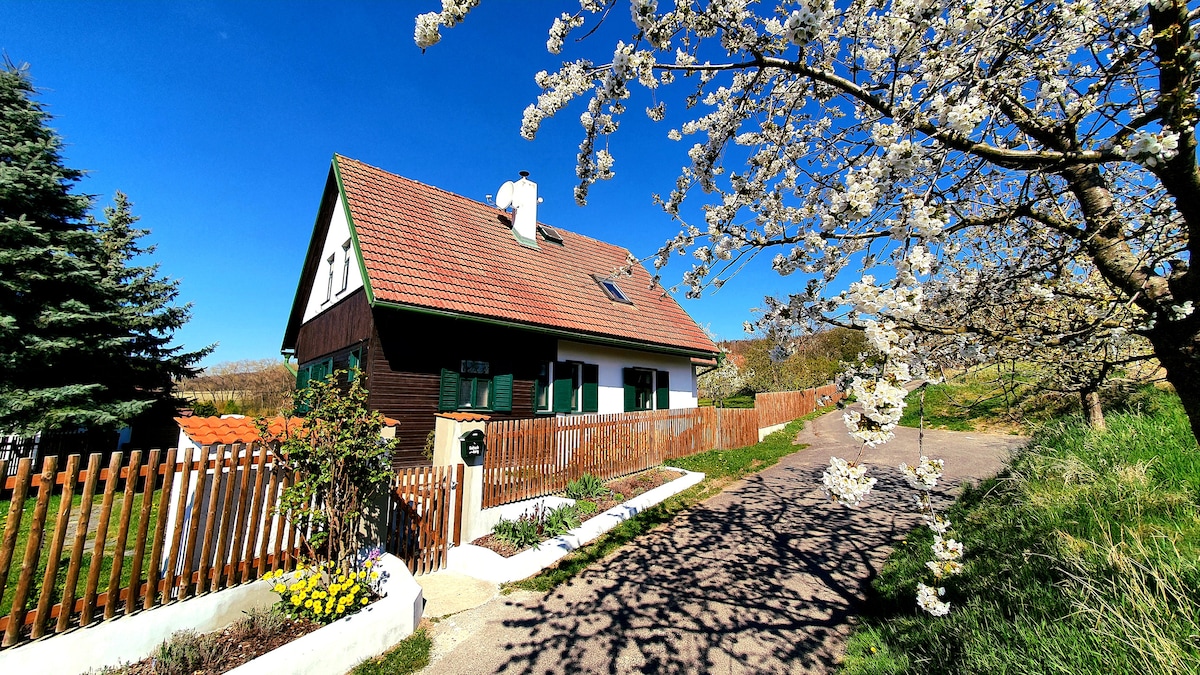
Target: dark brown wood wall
(347,323)
(406,356)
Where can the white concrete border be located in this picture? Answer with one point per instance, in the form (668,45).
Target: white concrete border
(482,563)
(335,648)
(767,431)
(133,638)
(345,643)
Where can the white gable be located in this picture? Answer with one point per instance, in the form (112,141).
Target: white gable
(335,279)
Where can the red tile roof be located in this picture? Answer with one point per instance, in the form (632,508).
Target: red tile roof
(427,248)
(227,430)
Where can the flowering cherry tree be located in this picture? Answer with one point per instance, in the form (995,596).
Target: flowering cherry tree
(945,157)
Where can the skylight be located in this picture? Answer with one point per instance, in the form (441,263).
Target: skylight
(612,290)
(550,234)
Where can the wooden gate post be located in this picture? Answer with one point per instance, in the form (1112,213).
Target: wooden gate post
(447,451)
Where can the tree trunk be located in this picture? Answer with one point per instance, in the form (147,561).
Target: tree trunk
(1178,350)
(1090,398)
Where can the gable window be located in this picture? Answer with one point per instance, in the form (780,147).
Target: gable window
(345,265)
(647,389)
(612,290)
(473,387)
(329,283)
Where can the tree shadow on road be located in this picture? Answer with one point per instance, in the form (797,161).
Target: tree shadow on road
(763,578)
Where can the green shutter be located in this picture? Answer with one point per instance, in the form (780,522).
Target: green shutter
(502,391)
(562,386)
(448,391)
(302,377)
(351,366)
(662,380)
(630,379)
(591,388)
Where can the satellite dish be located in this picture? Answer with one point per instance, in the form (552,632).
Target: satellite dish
(504,195)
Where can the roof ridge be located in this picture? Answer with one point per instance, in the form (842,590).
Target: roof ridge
(475,201)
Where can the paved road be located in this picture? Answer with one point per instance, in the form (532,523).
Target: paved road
(762,578)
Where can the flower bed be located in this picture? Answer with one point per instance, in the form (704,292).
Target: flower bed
(210,654)
(541,521)
(298,644)
(481,563)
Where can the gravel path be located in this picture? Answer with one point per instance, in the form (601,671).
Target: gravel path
(762,578)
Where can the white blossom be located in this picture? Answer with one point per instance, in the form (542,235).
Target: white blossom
(845,482)
(929,599)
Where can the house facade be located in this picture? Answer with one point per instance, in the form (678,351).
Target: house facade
(447,304)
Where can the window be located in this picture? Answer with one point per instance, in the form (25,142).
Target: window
(345,265)
(329,283)
(647,389)
(313,371)
(612,290)
(576,387)
(352,365)
(541,389)
(473,387)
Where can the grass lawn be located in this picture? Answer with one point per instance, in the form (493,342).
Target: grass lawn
(721,467)
(64,561)
(1083,556)
(409,656)
(999,398)
(731,402)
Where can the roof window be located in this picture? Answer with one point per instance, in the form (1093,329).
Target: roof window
(612,290)
(550,234)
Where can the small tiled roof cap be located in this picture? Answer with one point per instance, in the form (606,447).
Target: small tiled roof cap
(238,428)
(424,247)
(465,417)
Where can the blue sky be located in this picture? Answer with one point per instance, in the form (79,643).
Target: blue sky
(219,121)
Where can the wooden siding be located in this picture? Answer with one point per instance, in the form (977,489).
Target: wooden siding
(346,323)
(408,351)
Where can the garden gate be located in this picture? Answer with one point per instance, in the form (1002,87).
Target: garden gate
(425,516)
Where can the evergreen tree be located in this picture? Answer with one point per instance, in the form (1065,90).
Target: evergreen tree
(84,333)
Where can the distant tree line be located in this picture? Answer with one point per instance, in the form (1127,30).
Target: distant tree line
(248,387)
(760,364)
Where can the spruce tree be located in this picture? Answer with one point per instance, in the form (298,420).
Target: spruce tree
(84,333)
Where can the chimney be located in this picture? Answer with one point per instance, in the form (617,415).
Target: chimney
(524,202)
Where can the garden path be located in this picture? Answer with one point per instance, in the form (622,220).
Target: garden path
(765,577)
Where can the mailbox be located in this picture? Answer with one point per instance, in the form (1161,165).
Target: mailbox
(472,446)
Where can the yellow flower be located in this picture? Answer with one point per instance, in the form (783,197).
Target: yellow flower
(369,564)
(364,601)
(302,595)
(280,588)
(334,588)
(374,575)
(296,600)
(355,588)
(308,603)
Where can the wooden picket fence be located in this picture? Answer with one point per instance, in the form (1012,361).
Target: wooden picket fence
(136,535)
(784,406)
(425,516)
(533,457)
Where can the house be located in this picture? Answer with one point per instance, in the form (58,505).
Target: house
(447,304)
